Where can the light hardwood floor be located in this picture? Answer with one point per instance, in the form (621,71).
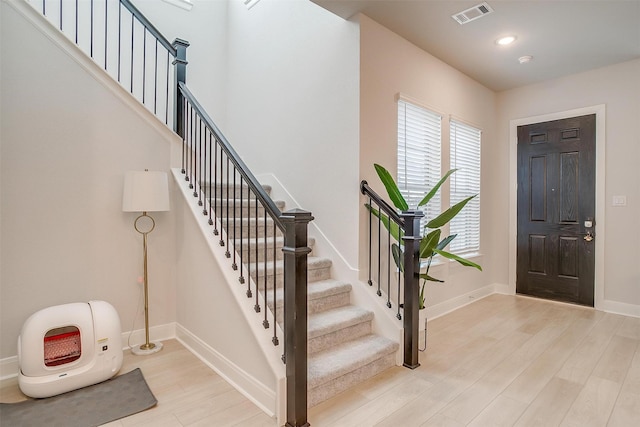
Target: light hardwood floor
(501,361)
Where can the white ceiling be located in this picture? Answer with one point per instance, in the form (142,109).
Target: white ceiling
(563,36)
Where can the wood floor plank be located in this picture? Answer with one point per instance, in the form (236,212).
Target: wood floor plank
(551,404)
(500,361)
(584,358)
(616,359)
(502,412)
(536,376)
(593,405)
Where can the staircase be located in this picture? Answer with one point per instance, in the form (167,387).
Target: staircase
(343,350)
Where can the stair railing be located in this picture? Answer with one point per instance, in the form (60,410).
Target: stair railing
(249,224)
(120,39)
(403,288)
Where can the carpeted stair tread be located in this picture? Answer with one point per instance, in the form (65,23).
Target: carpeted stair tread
(332,320)
(279,241)
(244,202)
(317,290)
(336,361)
(313,263)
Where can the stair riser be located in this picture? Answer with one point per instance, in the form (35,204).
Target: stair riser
(323,392)
(261,253)
(339,336)
(318,305)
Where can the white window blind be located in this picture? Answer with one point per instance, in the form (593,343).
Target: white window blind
(419,140)
(465,182)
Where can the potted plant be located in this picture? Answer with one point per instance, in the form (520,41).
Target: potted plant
(430,244)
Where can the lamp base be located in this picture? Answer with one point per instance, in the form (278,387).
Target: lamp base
(145,350)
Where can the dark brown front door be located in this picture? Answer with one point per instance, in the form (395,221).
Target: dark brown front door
(556,210)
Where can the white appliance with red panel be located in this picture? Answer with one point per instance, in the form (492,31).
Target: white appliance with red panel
(66,347)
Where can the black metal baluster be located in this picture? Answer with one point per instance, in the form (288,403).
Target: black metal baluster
(215,189)
(184,137)
(399,304)
(378,292)
(389,260)
(234,265)
(155,79)
(166,100)
(132,36)
(91,32)
(44,7)
(210,180)
(370,242)
(241,278)
(119,36)
(219,215)
(60,15)
(265,322)
(274,339)
(249,245)
(198,164)
(144,63)
(106,7)
(77,21)
(256,307)
(203,180)
(227,253)
(191,150)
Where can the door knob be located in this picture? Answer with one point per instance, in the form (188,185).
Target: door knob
(588,237)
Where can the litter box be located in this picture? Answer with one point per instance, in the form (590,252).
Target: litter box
(66,347)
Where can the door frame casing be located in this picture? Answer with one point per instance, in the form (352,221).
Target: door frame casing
(600,112)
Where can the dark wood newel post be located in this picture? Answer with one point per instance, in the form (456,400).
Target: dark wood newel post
(180,63)
(411,286)
(296,250)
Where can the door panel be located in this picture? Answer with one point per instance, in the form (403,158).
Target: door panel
(556,195)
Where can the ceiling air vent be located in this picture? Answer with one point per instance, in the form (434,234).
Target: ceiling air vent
(472,13)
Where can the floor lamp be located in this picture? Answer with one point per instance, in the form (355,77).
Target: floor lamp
(145,192)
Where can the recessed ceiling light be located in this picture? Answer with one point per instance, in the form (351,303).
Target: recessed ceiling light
(503,41)
(525,59)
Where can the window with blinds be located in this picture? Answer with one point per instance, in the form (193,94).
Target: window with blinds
(419,140)
(465,182)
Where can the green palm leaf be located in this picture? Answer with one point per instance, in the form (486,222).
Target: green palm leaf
(392,188)
(428,243)
(429,278)
(461,260)
(398,256)
(447,215)
(435,189)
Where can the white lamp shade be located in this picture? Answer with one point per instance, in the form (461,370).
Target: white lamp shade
(145,191)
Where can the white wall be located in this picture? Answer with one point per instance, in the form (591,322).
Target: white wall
(390,65)
(204,26)
(293,107)
(618,88)
(66,141)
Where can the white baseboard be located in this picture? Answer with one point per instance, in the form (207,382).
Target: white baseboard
(9,366)
(156,333)
(622,308)
(254,390)
(460,301)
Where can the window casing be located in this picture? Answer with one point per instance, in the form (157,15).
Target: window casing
(465,156)
(419,141)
